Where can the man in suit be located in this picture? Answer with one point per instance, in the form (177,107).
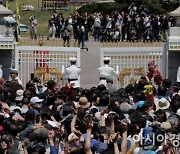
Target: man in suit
(73,73)
(106,72)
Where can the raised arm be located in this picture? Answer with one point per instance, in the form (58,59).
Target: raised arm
(124,139)
(89,126)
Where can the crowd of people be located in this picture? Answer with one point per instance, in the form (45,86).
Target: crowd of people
(134,24)
(139,119)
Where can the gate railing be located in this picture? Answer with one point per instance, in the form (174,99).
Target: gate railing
(44,62)
(131,62)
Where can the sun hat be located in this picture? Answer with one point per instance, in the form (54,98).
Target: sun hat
(35,100)
(12,70)
(125,107)
(19,95)
(166,125)
(162,104)
(83,103)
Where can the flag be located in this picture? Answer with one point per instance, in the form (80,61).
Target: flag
(17,18)
(17,8)
(7,3)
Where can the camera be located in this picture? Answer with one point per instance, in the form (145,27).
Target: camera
(9,21)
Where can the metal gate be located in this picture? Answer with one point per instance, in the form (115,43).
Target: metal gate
(45,62)
(131,62)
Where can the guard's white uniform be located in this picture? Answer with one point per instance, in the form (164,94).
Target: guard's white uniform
(106,72)
(178,74)
(73,73)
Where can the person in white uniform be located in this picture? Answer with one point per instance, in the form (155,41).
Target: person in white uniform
(106,72)
(14,75)
(178,74)
(73,73)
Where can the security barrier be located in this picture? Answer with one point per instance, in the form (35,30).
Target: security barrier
(131,62)
(44,62)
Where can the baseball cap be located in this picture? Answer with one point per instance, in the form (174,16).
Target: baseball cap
(35,100)
(140,104)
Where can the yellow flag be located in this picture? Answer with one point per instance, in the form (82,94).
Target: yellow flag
(7,3)
(17,8)
(19,39)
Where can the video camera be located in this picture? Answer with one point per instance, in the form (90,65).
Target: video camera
(9,21)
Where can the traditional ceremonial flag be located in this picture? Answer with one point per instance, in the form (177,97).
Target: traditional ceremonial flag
(17,8)
(7,3)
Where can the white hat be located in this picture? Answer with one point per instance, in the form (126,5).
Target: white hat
(35,100)
(12,108)
(166,125)
(12,70)
(162,104)
(72,59)
(19,95)
(178,112)
(106,58)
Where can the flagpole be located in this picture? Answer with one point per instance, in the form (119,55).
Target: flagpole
(17,18)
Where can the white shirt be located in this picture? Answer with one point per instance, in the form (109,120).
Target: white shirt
(73,72)
(19,81)
(1,72)
(107,72)
(178,74)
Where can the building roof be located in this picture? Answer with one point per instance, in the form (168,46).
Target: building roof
(4,10)
(175,13)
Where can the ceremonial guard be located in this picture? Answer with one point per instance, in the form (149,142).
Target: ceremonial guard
(73,73)
(178,74)
(106,72)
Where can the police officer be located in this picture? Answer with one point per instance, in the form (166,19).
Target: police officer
(106,72)
(73,73)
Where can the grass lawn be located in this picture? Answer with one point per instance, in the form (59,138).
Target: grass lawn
(42,16)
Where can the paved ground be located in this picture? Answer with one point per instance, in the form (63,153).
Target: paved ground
(90,61)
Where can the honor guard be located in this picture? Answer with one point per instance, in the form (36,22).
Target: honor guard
(73,73)
(106,72)
(178,74)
